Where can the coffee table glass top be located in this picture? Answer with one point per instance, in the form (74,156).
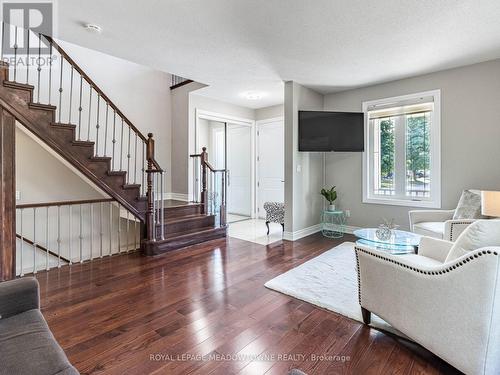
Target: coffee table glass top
(401,242)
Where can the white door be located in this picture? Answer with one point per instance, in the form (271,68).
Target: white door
(270,164)
(239,166)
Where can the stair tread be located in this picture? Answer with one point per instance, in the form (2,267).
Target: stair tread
(180,219)
(62,125)
(117,173)
(188,204)
(42,106)
(19,85)
(189,232)
(131,186)
(84,143)
(100,158)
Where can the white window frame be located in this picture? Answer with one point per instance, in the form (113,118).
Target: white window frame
(435,150)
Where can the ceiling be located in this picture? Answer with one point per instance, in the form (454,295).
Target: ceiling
(236,46)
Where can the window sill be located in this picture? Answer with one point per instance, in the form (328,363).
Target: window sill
(403,202)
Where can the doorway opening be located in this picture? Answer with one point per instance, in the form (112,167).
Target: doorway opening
(253,155)
(229,143)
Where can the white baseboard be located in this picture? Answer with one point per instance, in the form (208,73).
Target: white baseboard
(294,236)
(177,196)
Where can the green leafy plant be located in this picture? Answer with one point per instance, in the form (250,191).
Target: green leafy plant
(329,194)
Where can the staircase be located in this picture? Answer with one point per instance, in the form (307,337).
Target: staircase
(64,108)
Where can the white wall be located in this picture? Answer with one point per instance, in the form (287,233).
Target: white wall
(181,119)
(303,171)
(269,112)
(41,177)
(140,92)
(470,132)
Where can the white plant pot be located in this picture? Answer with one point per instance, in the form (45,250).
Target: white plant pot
(331,207)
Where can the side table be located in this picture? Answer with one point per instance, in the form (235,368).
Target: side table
(333,224)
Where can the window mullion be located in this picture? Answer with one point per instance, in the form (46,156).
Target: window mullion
(400,156)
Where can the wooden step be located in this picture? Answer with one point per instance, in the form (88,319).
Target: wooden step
(183,210)
(183,224)
(178,241)
(63,125)
(44,107)
(117,173)
(84,143)
(17,85)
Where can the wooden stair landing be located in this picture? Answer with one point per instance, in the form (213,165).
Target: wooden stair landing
(185,225)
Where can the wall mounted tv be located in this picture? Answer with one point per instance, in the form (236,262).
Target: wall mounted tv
(331,131)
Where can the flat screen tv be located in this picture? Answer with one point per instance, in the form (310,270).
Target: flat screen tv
(331,131)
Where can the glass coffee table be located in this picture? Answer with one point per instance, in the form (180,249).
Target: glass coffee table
(401,242)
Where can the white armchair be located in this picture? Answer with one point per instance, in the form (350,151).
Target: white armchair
(438,224)
(446,298)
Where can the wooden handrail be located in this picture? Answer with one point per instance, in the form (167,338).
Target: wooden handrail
(22,238)
(212,168)
(63,203)
(181,84)
(206,162)
(94,85)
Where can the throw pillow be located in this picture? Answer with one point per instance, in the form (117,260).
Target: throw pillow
(469,206)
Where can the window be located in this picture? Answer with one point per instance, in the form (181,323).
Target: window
(401,164)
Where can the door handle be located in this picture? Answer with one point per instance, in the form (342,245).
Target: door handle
(228,178)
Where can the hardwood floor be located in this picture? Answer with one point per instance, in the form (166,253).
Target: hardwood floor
(139,315)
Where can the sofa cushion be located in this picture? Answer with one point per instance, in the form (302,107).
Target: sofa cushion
(433,229)
(481,233)
(28,347)
(469,205)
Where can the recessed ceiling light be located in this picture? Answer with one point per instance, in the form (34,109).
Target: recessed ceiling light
(253,95)
(93,28)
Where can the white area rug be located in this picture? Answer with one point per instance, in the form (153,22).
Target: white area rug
(330,281)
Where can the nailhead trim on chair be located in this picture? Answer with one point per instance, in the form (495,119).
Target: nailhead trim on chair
(359,277)
(449,269)
(456,223)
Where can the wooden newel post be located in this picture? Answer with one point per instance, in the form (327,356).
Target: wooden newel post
(204,192)
(150,151)
(7,196)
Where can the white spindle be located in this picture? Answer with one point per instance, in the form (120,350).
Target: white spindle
(80,235)
(128,231)
(70,239)
(91,231)
(34,240)
(162,206)
(47,239)
(119,229)
(110,228)
(58,236)
(101,233)
(22,242)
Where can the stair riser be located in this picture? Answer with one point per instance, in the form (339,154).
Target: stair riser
(161,247)
(182,210)
(176,227)
(64,135)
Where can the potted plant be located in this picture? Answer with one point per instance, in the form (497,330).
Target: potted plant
(330,195)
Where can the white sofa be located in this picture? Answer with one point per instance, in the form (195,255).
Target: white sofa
(446,298)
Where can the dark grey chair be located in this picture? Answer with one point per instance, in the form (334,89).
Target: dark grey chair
(26,344)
